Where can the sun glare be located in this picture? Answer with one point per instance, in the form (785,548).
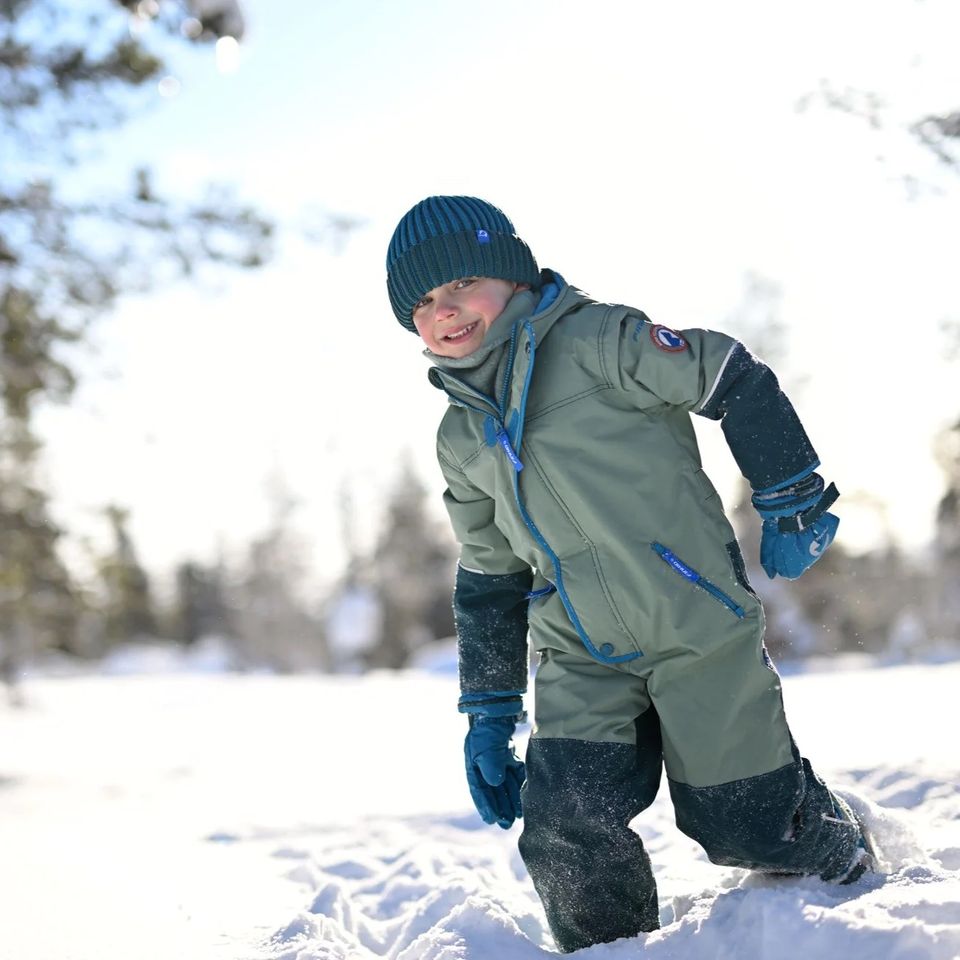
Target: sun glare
(228,55)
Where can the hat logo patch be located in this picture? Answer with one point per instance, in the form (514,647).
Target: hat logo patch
(666,339)
(483,236)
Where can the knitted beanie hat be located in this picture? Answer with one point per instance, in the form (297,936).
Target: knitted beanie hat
(446,238)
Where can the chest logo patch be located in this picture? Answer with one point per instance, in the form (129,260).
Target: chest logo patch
(666,339)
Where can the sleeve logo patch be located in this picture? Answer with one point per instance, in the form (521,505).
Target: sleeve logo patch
(666,339)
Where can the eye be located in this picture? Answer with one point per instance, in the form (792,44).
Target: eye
(422,302)
(464,282)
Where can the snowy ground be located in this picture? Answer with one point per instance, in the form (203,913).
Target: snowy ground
(199,816)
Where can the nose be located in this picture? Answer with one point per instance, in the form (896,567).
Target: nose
(444,307)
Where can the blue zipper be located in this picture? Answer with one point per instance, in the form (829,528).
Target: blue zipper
(542,592)
(538,536)
(512,451)
(688,573)
(503,438)
(507,373)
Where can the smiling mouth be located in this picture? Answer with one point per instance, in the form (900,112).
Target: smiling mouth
(462,334)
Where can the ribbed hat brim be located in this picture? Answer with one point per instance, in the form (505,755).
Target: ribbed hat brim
(440,259)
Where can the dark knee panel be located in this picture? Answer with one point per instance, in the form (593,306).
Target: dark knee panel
(779,821)
(613,781)
(745,822)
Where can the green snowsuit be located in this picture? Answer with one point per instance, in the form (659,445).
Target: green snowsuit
(584,517)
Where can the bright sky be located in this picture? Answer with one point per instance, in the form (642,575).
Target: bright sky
(650,152)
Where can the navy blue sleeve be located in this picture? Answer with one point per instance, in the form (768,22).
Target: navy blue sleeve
(762,428)
(491,616)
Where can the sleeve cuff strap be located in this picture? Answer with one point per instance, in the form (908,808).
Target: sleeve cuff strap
(802,475)
(491,706)
(803,520)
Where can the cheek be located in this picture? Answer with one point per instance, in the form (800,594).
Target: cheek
(422,327)
(493,306)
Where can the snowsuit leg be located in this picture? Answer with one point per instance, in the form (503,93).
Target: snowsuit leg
(724,729)
(713,716)
(589,868)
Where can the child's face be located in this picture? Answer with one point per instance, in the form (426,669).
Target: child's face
(453,319)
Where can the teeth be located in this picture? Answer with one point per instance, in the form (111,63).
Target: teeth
(463,333)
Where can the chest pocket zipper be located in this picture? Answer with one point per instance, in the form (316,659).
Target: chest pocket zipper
(691,575)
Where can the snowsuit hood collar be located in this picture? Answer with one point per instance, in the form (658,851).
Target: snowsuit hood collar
(556,297)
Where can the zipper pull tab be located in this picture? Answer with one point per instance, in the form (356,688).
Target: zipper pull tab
(503,438)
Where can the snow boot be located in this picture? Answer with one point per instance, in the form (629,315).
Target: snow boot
(865,856)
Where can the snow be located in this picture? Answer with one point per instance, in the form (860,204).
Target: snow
(195,814)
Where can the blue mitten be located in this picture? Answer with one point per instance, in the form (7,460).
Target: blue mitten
(494,772)
(796,526)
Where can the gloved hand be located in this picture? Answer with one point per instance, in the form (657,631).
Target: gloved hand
(796,526)
(494,772)
(790,554)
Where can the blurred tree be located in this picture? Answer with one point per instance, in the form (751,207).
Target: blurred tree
(948,510)
(200,606)
(39,605)
(937,130)
(412,572)
(274,624)
(351,611)
(941,134)
(945,594)
(947,454)
(38,602)
(910,609)
(68,73)
(128,606)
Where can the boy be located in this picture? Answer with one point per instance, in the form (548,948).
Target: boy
(575,489)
